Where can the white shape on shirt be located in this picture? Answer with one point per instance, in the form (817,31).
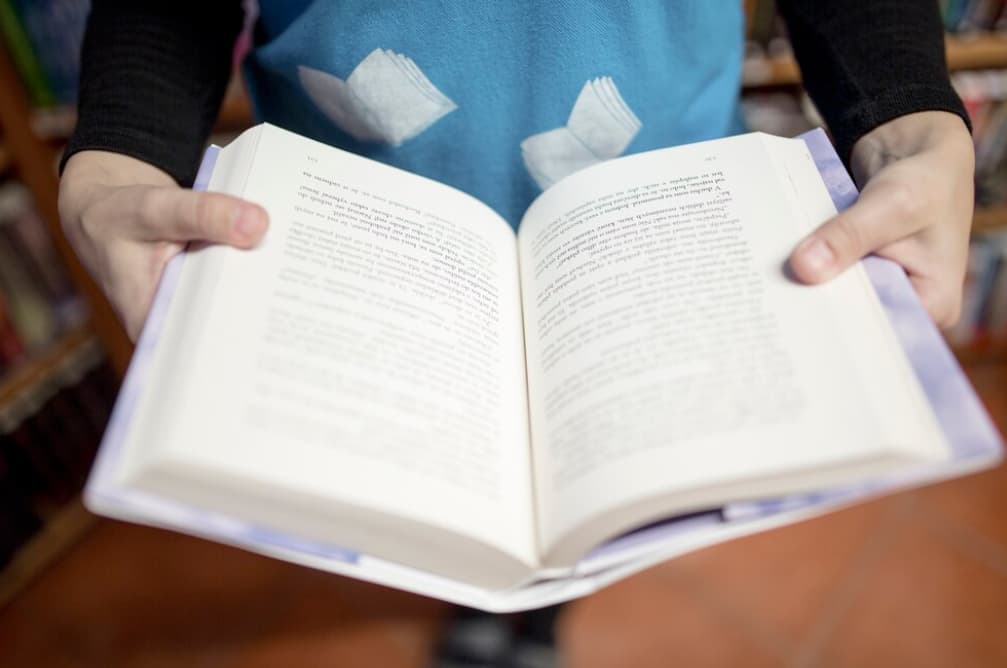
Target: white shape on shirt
(601,125)
(386,98)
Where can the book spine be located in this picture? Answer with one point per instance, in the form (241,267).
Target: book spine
(996,307)
(35,273)
(26,232)
(55,29)
(979,16)
(954,13)
(28,307)
(23,56)
(977,280)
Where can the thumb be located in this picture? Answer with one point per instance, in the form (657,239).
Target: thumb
(176,214)
(879,217)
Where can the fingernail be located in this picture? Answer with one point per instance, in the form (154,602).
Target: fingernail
(818,256)
(249,221)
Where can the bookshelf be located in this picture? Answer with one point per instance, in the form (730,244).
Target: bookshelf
(44,378)
(973,52)
(78,349)
(34,160)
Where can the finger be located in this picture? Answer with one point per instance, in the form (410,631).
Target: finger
(880,216)
(942,300)
(129,276)
(172,214)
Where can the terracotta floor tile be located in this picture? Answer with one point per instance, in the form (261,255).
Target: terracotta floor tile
(923,603)
(334,621)
(389,645)
(990,381)
(126,592)
(654,620)
(779,581)
(133,596)
(978,501)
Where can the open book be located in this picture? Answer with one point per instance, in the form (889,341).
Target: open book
(395,386)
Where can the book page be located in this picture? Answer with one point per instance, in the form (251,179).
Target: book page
(369,351)
(669,353)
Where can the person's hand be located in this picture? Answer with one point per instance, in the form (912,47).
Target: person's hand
(126,219)
(915,207)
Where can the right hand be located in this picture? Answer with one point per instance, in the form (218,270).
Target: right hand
(126,218)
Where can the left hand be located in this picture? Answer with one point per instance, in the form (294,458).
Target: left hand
(915,207)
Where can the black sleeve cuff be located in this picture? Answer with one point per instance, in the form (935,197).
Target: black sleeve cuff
(153,75)
(866,63)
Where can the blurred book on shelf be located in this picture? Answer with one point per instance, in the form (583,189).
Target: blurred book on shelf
(765,30)
(44,38)
(970,16)
(777,112)
(983,321)
(985,97)
(49,433)
(976,38)
(57,22)
(37,300)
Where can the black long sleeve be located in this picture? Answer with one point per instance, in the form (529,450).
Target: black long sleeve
(153,75)
(866,62)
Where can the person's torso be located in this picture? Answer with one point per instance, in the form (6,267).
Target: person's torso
(499,99)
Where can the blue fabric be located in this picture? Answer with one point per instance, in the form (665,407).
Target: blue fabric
(514,69)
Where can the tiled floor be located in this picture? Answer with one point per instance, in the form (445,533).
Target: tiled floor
(917,579)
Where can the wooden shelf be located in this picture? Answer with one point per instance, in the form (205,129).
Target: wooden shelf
(990,218)
(62,530)
(71,354)
(770,72)
(974,52)
(977,52)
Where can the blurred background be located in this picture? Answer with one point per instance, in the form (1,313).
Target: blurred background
(918,578)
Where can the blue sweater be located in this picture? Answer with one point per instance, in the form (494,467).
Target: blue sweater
(499,99)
